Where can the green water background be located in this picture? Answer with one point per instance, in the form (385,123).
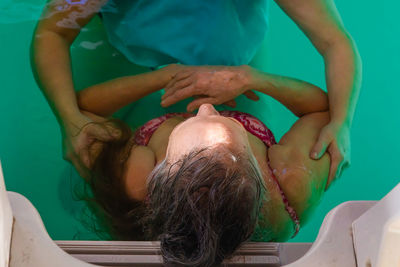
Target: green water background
(30,143)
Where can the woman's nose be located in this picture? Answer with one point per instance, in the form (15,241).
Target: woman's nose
(207,110)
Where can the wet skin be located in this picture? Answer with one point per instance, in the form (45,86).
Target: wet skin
(174,138)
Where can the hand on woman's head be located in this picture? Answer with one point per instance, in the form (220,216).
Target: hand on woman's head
(83,139)
(98,134)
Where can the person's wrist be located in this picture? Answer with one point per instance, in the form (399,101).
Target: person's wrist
(67,110)
(244,73)
(73,123)
(339,126)
(342,120)
(170,71)
(255,79)
(170,67)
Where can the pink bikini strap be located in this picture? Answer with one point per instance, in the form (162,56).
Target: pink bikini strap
(290,210)
(259,129)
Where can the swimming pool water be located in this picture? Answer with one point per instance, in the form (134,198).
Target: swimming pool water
(30,142)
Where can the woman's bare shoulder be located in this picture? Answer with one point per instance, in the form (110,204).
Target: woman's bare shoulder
(301,178)
(139,165)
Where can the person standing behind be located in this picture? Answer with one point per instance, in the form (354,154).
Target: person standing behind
(159,32)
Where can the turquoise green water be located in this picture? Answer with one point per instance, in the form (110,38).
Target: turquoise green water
(30,147)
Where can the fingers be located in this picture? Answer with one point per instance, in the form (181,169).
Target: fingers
(80,167)
(332,171)
(320,147)
(90,143)
(198,102)
(178,85)
(112,130)
(103,132)
(75,160)
(82,149)
(178,96)
(251,95)
(85,157)
(88,155)
(342,166)
(231,103)
(181,75)
(171,88)
(178,77)
(337,165)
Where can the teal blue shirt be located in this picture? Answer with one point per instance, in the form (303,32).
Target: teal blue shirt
(194,32)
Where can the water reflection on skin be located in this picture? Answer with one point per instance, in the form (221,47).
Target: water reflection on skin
(17,12)
(284,170)
(82,10)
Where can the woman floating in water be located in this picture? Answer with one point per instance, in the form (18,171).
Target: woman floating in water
(204,183)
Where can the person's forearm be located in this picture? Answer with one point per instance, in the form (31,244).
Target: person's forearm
(343,78)
(51,62)
(106,98)
(298,96)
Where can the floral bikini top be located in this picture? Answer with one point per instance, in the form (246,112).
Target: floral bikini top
(249,122)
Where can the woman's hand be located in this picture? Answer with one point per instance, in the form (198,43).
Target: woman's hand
(82,140)
(209,84)
(335,139)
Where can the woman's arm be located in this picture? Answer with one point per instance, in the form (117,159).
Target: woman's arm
(298,96)
(57,28)
(321,23)
(220,84)
(106,98)
(302,179)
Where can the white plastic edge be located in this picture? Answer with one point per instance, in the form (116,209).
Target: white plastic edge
(6,223)
(389,249)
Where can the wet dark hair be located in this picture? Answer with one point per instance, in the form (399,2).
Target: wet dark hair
(204,206)
(112,213)
(201,207)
